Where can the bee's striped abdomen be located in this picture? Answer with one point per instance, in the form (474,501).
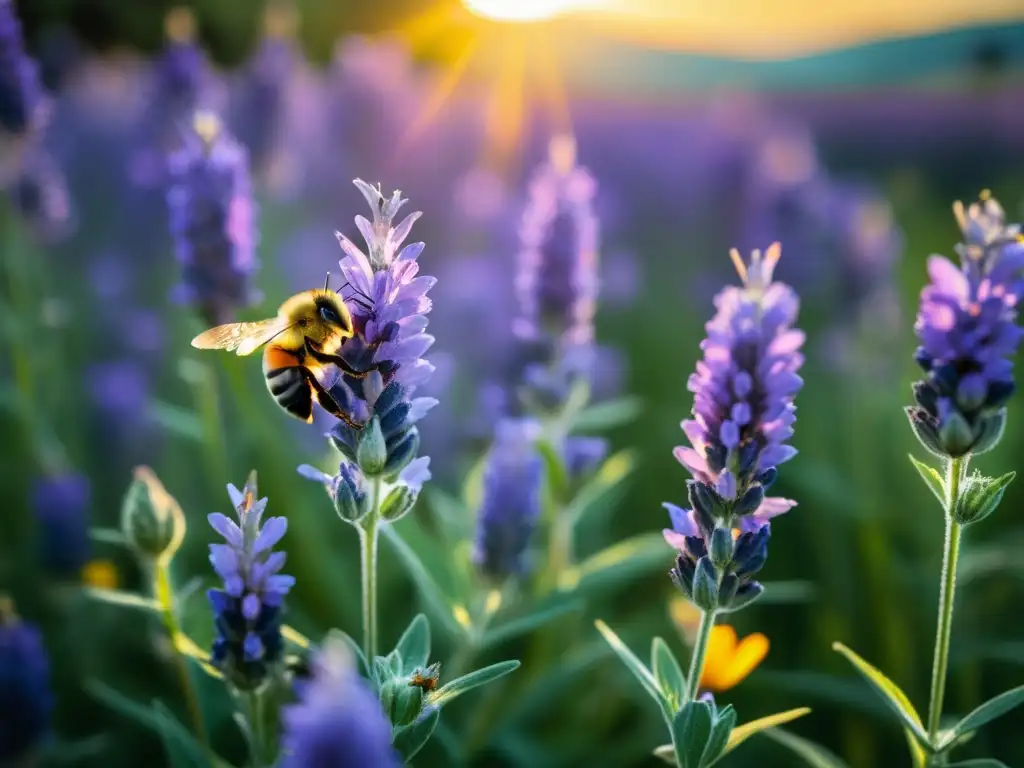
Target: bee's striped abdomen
(287,382)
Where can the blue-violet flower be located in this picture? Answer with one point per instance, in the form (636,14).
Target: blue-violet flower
(211,220)
(743,416)
(247,611)
(22,100)
(389,305)
(511,500)
(338,721)
(967,324)
(25,697)
(61,507)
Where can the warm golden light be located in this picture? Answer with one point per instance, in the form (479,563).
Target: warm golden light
(519,10)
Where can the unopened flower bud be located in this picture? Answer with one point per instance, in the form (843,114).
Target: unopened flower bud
(151,519)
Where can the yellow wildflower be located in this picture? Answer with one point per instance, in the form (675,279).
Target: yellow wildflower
(101,574)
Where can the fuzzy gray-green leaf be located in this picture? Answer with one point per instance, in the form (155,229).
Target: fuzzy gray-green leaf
(990,710)
(932,479)
(414,645)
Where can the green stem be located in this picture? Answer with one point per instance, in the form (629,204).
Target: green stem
(165,597)
(368,539)
(947,592)
(700,650)
(256,727)
(560,553)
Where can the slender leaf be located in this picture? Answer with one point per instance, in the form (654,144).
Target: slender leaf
(435,599)
(454,518)
(745,731)
(460,685)
(918,757)
(813,754)
(666,753)
(124,706)
(414,645)
(557,474)
(932,479)
(607,415)
(181,745)
(187,647)
(890,693)
(691,729)
(182,748)
(983,762)
(637,668)
(718,741)
(604,487)
(617,564)
(473,486)
(124,599)
(521,625)
(177,420)
(107,536)
(787,592)
(410,739)
(668,673)
(990,710)
(296,638)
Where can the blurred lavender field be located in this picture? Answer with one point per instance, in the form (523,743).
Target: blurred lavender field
(99,303)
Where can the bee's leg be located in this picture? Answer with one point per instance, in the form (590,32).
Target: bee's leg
(328,403)
(338,360)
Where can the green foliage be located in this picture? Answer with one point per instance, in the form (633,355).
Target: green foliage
(897,701)
(932,478)
(980,496)
(812,754)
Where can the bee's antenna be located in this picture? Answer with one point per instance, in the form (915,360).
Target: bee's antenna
(327,279)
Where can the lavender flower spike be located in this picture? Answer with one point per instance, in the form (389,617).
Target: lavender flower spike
(211,220)
(557,282)
(967,324)
(22,99)
(338,720)
(389,304)
(511,500)
(247,611)
(743,416)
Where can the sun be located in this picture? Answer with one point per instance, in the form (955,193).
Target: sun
(519,10)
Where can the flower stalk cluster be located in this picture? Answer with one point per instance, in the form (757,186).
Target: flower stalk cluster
(743,416)
(967,325)
(380,476)
(247,610)
(22,98)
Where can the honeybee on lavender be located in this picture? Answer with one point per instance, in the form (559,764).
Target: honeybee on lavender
(301,342)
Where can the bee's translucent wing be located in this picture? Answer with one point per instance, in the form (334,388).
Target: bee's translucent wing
(244,338)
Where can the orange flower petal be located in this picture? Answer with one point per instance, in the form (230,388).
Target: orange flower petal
(719,656)
(748,654)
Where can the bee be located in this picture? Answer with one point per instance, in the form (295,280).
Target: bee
(300,342)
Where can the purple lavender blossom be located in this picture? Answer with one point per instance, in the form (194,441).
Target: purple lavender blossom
(967,324)
(557,282)
(212,221)
(263,95)
(181,85)
(389,305)
(22,100)
(61,507)
(247,611)
(337,721)
(39,193)
(25,696)
(743,416)
(511,500)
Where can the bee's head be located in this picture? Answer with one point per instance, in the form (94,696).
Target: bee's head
(329,309)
